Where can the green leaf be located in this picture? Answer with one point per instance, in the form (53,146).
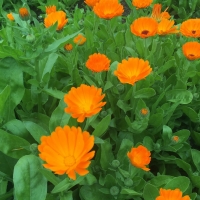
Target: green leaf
(102,126)
(150,192)
(196,158)
(54,93)
(4,96)
(166,66)
(130,192)
(12,145)
(161,180)
(192,114)
(145,93)
(29,184)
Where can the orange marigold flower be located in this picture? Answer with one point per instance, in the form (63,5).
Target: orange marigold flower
(91,3)
(50,9)
(23,12)
(79,39)
(132,70)
(84,101)
(144,27)
(10,17)
(98,62)
(68,47)
(190,28)
(141,4)
(157,14)
(191,50)
(140,157)
(108,9)
(166,27)
(66,151)
(52,18)
(144,111)
(171,194)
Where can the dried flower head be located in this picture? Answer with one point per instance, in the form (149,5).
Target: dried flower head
(140,157)
(144,27)
(79,39)
(157,14)
(132,70)
(108,9)
(98,62)
(141,4)
(66,151)
(52,18)
(84,101)
(166,27)
(91,3)
(171,194)
(23,12)
(10,17)
(50,9)
(68,47)
(190,28)
(191,50)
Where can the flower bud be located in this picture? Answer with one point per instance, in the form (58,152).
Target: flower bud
(115,163)
(120,88)
(103,113)
(157,147)
(114,190)
(30,38)
(128,182)
(196,95)
(33,148)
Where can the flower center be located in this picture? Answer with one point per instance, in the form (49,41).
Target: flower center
(145,32)
(193,32)
(69,161)
(191,55)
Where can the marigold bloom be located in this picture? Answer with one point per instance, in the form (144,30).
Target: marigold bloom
(79,39)
(166,27)
(84,101)
(23,12)
(175,138)
(50,9)
(66,151)
(98,62)
(108,9)
(144,111)
(140,157)
(191,50)
(132,70)
(190,28)
(141,4)
(68,47)
(52,18)
(157,14)
(10,17)
(144,27)
(91,3)
(171,195)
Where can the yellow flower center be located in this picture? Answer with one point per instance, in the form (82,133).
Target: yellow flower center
(69,161)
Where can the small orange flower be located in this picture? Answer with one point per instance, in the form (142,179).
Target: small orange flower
(157,14)
(98,62)
(50,9)
(175,138)
(144,27)
(79,39)
(132,70)
(191,50)
(91,3)
(108,9)
(52,18)
(140,157)
(66,151)
(190,28)
(10,17)
(171,194)
(144,111)
(84,101)
(68,47)
(23,12)
(166,27)
(141,4)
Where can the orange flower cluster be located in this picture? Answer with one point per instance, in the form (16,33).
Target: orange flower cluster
(171,194)
(53,17)
(191,28)
(23,12)
(141,4)
(84,101)
(140,157)
(132,70)
(98,62)
(79,39)
(10,17)
(191,50)
(50,9)
(91,3)
(108,9)
(66,151)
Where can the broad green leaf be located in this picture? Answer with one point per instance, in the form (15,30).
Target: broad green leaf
(4,96)
(50,176)
(161,180)
(150,192)
(192,114)
(196,158)
(54,93)
(130,192)
(29,183)
(144,93)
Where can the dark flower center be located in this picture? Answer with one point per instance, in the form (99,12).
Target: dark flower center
(191,55)
(145,32)
(193,32)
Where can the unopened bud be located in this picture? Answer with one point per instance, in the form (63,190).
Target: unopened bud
(120,88)
(115,163)
(114,190)
(30,38)
(128,182)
